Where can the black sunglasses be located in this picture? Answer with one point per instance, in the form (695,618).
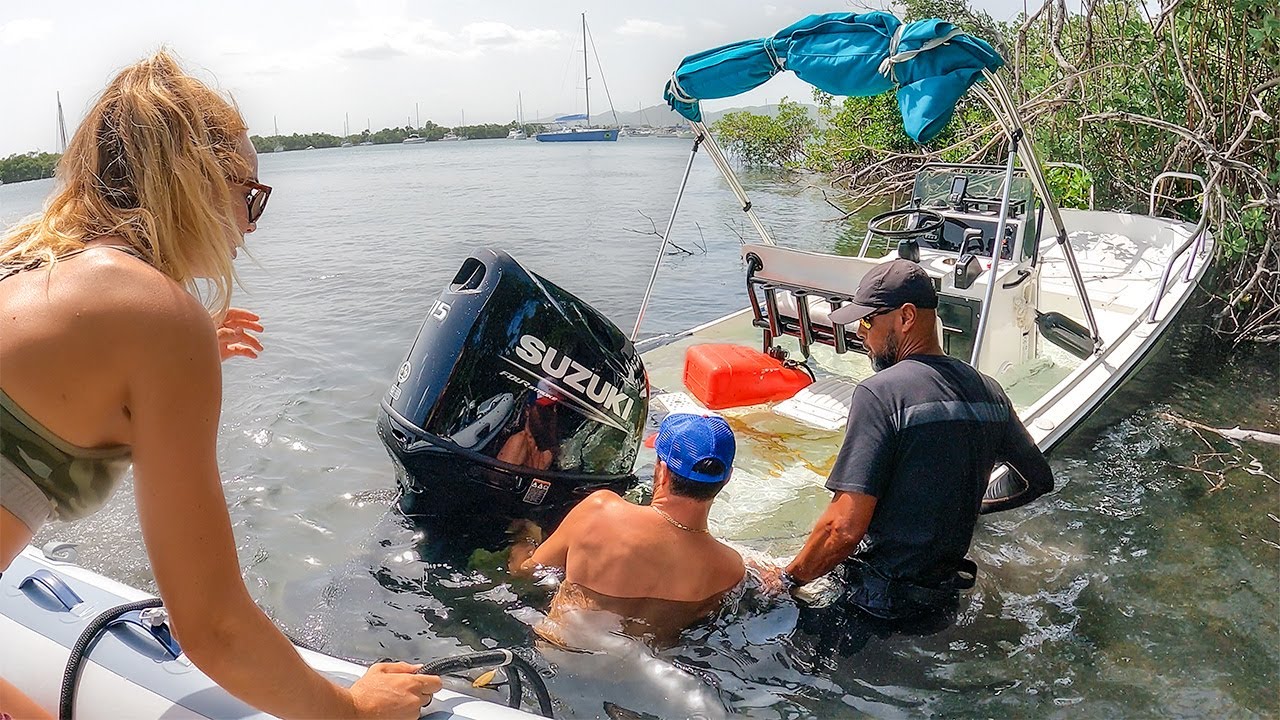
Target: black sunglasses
(256,200)
(866,319)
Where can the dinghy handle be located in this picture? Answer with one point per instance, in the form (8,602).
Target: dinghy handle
(54,585)
(155,623)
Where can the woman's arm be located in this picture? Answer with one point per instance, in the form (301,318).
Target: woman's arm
(174,401)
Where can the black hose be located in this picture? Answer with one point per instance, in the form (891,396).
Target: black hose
(79,651)
(470,661)
(490,658)
(498,658)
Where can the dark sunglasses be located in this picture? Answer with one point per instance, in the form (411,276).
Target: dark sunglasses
(866,319)
(256,200)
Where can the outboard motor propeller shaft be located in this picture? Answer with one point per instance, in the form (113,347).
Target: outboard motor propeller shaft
(517,400)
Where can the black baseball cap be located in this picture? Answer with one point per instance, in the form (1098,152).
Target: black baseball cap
(887,286)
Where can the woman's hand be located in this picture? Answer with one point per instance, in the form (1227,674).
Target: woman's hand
(233,335)
(393,690)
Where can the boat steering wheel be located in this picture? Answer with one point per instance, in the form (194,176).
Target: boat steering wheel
(929,224)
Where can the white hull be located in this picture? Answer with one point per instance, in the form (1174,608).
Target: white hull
(126,675)
(1122,259)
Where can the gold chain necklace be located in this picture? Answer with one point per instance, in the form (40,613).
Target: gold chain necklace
(677,523)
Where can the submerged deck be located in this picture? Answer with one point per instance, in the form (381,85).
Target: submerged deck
(782,463)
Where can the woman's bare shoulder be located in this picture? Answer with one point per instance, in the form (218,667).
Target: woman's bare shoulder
(120,290)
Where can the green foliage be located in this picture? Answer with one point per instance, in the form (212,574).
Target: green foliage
(28,166)
(764,141)
(490,131)
(1069,186)
(386,136)
(857,130)
(1249,235)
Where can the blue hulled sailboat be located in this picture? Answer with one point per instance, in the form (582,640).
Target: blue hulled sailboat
(586,133)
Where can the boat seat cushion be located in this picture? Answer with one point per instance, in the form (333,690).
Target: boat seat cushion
(822,273)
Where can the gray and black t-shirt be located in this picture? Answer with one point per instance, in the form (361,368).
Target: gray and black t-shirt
(923,438)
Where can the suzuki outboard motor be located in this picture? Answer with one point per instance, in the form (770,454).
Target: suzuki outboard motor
(517,400)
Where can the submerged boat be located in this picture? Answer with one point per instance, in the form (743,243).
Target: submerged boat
(584,133)
(1058,305)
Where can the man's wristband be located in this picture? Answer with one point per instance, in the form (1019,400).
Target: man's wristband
(789,582)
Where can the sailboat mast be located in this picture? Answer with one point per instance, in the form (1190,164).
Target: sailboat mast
(62,127)
(586,77)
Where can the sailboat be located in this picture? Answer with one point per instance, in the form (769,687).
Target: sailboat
(279,146)
(518,133)
(346,131)
(451,135)
(368,133)
(585,133)
(62,127)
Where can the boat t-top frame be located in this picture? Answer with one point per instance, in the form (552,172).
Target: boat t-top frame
(997,98)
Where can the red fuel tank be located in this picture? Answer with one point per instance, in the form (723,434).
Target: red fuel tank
(725,376)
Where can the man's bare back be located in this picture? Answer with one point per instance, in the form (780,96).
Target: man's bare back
(654,560)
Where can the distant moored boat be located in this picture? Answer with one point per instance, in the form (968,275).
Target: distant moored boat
(587,133)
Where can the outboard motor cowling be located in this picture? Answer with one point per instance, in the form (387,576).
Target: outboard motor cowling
(517,400)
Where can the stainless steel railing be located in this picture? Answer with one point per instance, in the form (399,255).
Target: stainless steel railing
(1197,235)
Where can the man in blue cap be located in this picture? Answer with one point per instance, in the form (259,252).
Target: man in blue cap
(911,478)
(656,567)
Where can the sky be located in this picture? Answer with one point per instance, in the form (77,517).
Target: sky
(307,65)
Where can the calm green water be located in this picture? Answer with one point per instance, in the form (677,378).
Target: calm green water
(1138,589)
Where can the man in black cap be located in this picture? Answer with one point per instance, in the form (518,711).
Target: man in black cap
(923,437)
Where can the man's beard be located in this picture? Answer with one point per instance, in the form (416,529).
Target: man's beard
(887,357)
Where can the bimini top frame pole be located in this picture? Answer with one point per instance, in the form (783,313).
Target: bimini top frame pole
(722,163)
(702,138)
(997,98)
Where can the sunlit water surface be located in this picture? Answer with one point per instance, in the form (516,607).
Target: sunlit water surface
(1140,588)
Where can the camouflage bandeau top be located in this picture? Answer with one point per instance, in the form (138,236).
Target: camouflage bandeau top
(77,481)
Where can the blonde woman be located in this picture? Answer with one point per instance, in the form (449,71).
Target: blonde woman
(108,359)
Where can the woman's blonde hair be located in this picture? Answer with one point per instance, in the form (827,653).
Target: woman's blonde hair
(152,163)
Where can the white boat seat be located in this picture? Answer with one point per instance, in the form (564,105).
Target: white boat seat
(824,280)
(820,273)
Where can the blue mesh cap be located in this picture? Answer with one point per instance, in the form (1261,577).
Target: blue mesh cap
(684,440)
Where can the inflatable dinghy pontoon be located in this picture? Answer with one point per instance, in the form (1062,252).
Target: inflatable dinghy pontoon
(134,669)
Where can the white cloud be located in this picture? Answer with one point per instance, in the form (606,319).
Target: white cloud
(370,39)
(388,37)
(498,34)
(383,51)
(712,25)
(24,29)
(649,28)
